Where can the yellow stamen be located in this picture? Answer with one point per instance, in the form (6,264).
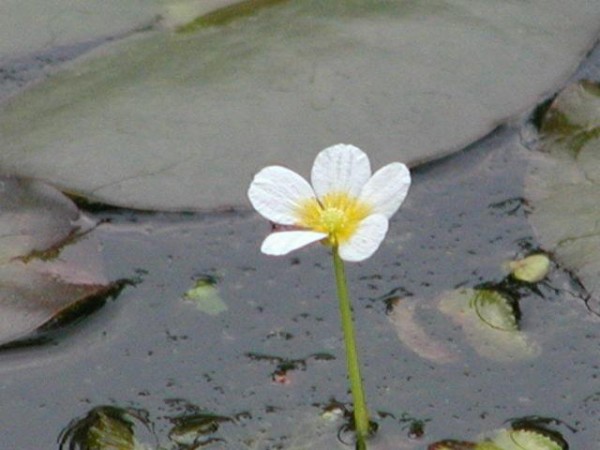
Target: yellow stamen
(336,214)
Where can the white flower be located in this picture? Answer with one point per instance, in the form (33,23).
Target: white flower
(345,207)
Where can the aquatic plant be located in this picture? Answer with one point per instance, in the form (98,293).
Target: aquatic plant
(347,209)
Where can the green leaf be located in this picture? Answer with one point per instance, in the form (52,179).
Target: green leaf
(104,428)
(453,445)
(35,217)
(108,433)
(495,309)
(205,296)
(225,15)
(563,183)
(183,121)
(487,446)
(524,440)
(573,119)
(530,269)
(58,23)
(507,439)
(488,320)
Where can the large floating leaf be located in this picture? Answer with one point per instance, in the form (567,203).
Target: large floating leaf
(37,289)
(34,216)
(182,121)
(35,25)
(32,300)
(563,185)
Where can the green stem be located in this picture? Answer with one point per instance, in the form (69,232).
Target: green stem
(361,415)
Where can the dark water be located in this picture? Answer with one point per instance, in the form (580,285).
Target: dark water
(274,360)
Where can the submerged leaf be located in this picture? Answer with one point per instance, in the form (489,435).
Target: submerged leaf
(563,184)
(183,121)
(414,336)
(309,432)
(489,324)
(205,296)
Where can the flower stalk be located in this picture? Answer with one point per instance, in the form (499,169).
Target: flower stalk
(361,414)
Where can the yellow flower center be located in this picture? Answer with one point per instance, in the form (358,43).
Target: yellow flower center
(336,214)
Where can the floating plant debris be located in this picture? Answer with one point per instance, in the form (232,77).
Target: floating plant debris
(205,295)
(530,269)
(104,428)
(508,439)
(196,429)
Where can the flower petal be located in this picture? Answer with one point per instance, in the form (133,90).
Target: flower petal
(276,193)
(366,239)
(341,168)
(283,242)
(387,189)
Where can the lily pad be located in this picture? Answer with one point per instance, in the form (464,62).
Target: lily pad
(489,324)
(37,290)
(33,302)
(177,121)
(36,25)
(563,185)
(34,217)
